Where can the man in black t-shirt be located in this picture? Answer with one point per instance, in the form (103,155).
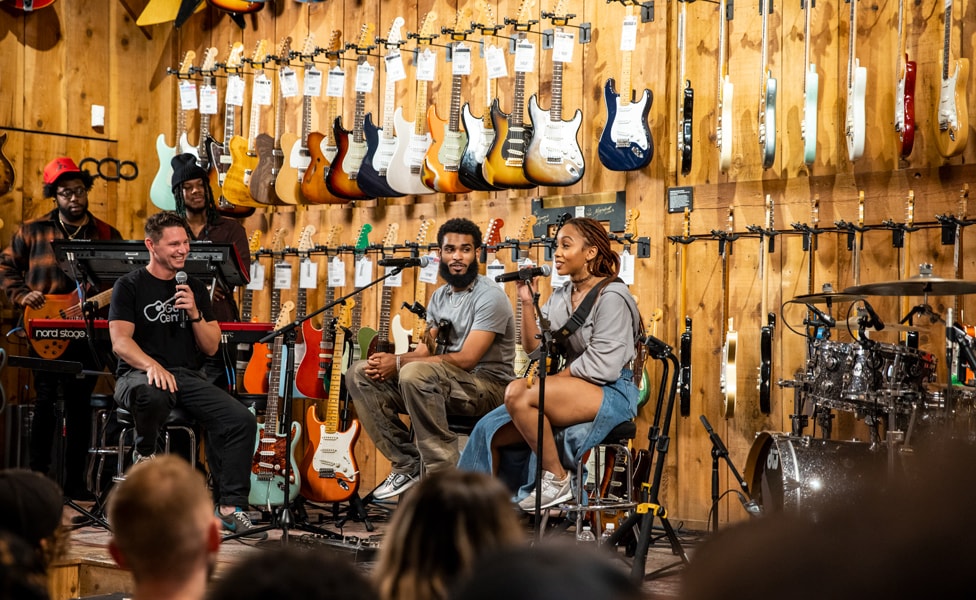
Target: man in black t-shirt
(162,331)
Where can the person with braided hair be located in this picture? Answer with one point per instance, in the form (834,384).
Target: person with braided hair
(195,203)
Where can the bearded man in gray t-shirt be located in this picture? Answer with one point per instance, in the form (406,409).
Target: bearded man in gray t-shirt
(466,375)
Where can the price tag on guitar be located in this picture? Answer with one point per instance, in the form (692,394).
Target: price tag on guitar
(626,267)
(429,273)
(628,36)
(524,57)
(394,67)
(188,95)
(461,60)
(394,281)
(261,92)
(426,65)
(282,276)
(364,272)
(364,78)
(336,85)
(312,83)
(208,100)
(257,277)
(235,90)
(308,275)
(562,46)
(337,272)
(495,62)
(289,82)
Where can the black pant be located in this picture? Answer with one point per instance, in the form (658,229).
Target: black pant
(75,392)
(231,428)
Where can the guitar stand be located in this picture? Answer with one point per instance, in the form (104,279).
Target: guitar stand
(659,440)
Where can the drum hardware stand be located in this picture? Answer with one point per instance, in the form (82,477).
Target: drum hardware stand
(659,440)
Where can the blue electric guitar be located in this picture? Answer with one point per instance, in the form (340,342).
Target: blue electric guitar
(274,459)
(626,143)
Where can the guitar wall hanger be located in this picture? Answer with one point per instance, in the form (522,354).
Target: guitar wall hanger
(949,223)
(646,8)
(585,29)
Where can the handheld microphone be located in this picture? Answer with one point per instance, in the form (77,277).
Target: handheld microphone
(413,261)
(874,320)
(181,280)
(525,274)
(826,319)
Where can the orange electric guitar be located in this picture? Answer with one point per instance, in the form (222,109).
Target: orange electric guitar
(59,306)
(322,147)
(256,374)
(331,473)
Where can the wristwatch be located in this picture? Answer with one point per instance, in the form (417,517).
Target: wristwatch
(197,320)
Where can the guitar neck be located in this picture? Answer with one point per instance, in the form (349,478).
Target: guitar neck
(389,103)
(230,125)
(454,121)
(253,125)
(556,109)
(358,119)
(274,382)
(420,122)
(331,110)
(852,42)
(947,39)
(331,423)
(306,115)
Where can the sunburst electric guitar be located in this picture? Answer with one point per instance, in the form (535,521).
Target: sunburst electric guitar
(274,458)
(554,156)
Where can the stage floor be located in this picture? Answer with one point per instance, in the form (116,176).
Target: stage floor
(88,570)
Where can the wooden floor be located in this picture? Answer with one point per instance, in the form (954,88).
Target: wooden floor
(88,570)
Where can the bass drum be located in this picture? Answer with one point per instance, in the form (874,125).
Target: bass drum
(791,473)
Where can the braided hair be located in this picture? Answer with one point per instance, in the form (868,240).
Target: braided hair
(607,262)
(212,213)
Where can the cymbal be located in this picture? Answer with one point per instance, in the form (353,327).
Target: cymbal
(825,297)
(919,285)
(853,322)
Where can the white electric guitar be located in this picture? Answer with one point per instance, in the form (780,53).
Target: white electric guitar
(723,132)
(811,90)
(857,83)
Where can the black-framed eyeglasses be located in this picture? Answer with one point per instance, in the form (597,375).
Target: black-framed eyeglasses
(68,193)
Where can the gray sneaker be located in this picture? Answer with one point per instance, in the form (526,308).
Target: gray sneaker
(238,522)
(138,458)
(554,491)
(394,485)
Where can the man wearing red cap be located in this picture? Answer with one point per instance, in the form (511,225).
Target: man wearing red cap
(28,273)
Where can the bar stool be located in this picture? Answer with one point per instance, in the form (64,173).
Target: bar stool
(98,446)
(612,486)
(178,420)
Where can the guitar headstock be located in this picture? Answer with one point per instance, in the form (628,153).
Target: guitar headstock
(394,37)
(187,63)
(462,23)
(423,232)
(963,201)
(278,241)
(236,56)
(254,244)
(428,30)
(686,226)
(860,208)
(630,224)
(524,14)
(487,12)
(910,209)
(561,10)
(308,47)
(305,243)
(362,239)
(389,240)
(209,61)
(260,53)
(730,226)
(284,51)
(334,47)
(654,320)
(331,238)
(815,210)
(344,320)
(493,233)
(770,213)
(366,35)
(284,315)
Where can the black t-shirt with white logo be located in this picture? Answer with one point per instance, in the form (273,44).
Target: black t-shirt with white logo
(140,298)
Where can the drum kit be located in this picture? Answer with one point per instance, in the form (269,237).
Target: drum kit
(890,385)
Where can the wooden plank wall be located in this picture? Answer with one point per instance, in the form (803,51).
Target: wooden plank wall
(56,50)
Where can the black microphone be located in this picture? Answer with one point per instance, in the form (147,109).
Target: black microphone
(525,274)
(827,320)
(412,261)
(181,280)
(875,321)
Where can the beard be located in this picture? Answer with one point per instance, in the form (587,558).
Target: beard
(462,281)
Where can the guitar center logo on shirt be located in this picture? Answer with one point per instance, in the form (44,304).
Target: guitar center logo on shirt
(161,312)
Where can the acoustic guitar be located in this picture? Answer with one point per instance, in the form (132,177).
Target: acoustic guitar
(381,141)
(59,306)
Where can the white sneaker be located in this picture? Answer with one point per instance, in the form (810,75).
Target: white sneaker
(394,485)
(138,458)
(554,491)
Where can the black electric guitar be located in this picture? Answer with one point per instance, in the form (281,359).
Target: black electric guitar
(687,107)
(766,335)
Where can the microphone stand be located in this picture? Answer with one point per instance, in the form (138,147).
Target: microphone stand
(720,451)
(545,337)
(283,519)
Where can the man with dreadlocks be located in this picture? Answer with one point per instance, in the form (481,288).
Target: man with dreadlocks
(195,203)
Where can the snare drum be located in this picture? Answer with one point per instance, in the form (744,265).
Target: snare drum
(800,473)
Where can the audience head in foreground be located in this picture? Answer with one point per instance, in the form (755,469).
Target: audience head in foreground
(440,530)
(164,529)
(30,508)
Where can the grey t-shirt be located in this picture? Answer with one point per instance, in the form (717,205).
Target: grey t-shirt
(604,344)
(482,307)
